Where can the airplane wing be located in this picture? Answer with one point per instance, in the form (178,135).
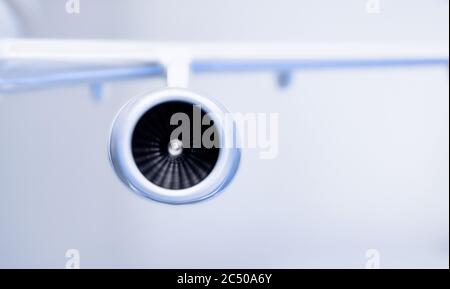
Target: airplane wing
(34,63)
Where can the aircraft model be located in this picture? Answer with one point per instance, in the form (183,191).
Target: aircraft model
(142,150)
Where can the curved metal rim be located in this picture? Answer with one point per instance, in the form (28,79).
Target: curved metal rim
(122,160)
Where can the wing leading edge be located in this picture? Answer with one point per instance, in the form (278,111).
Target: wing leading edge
(34,63)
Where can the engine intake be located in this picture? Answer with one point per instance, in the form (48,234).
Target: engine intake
(173,168)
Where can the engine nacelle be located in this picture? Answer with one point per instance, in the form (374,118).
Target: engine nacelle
(174,146)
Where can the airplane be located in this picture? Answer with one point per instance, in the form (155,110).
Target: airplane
(177,174)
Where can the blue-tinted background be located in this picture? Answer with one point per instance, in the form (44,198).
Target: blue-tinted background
(363,160)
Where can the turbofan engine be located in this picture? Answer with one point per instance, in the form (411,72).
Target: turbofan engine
(174,146)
